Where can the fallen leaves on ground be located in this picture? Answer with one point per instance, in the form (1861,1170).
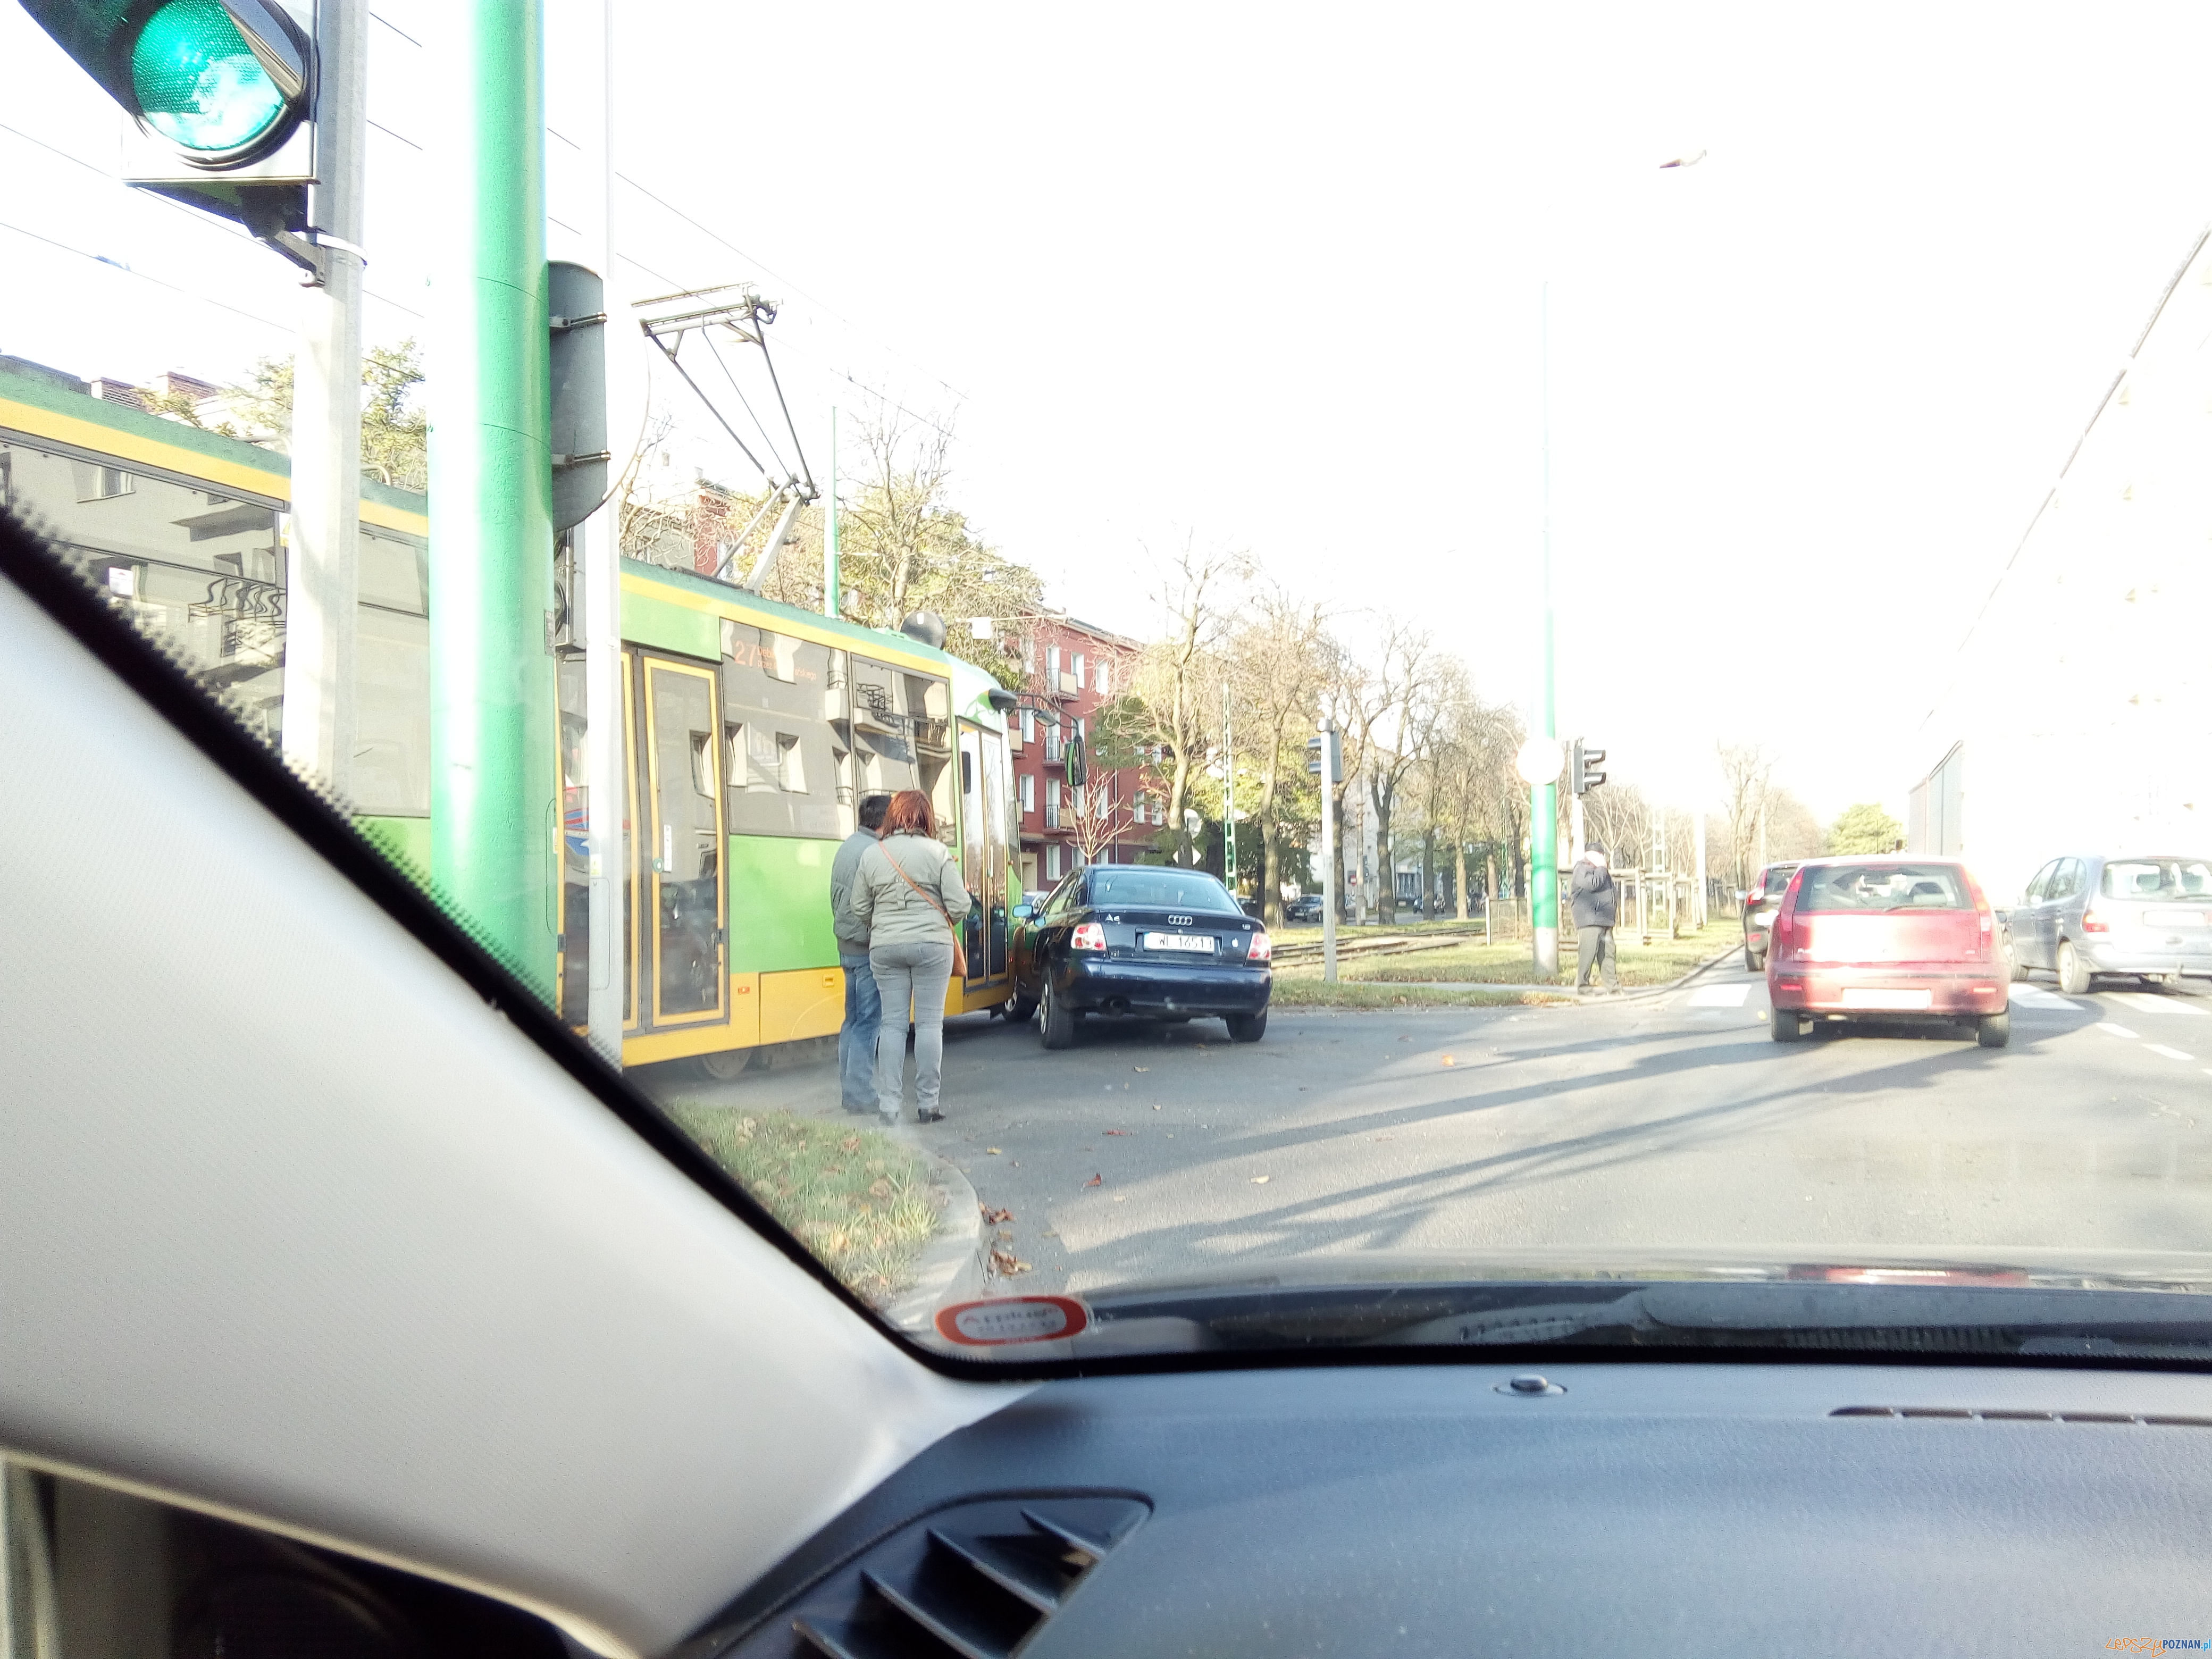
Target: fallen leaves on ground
(1007,1263)
(849,1144)
(1259,1180)
(1156,1107)
(994,1217)
(1121,1132)
(1140,1068)
(1447,1059)
(1121,1198)
(993,1151)
(1096,1181)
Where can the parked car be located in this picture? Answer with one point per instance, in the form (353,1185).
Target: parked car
(1145,941)
(2087,914)
(1760,901)
(1887,938)
(1304,909)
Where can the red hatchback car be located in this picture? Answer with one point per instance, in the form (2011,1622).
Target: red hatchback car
(1890,937)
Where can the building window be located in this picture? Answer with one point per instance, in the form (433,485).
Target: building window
(1029,726)
(1105,678)
(1052,862)
(1052,664)
(1029,653)
(1029,793)
(1079,671)
(1052,806)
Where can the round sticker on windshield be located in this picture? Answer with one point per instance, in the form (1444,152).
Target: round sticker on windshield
(1011,1318)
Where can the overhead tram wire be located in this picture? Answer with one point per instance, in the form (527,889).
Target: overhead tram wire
(788,286)
(143,276)
(222,228)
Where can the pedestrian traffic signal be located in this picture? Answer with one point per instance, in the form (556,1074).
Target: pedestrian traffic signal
(1326,747)
(220,94)
(1582,767)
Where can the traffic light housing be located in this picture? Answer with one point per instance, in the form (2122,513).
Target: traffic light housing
(221,95)
(1326,747)
(1583,765)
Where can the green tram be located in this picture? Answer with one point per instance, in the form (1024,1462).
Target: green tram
(750,728)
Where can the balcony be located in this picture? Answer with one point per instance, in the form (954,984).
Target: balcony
(1061,685)
(1055,752)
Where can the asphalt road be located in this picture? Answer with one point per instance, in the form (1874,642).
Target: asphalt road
(1644,1123)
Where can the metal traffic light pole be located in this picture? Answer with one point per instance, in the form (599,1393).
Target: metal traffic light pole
(322,610)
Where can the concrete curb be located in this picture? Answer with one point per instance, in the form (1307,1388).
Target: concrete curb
(950,1268)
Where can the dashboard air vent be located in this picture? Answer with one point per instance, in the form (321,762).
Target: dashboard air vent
(977,1580)
(1963,1415)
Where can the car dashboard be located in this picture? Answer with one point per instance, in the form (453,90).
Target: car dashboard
(1692,1509)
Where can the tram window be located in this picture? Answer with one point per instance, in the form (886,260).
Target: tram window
(95,482)
(967,773)
(791,764)
(779,656)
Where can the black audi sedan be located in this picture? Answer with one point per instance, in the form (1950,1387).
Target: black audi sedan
(1141,940)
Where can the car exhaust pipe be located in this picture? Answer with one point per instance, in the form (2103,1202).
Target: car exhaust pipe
(1116,1006)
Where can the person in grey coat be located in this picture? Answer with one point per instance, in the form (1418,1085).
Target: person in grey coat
(907,897)
(864,1008)
(1596,901)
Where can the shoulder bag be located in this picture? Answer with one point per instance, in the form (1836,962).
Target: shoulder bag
(959,950)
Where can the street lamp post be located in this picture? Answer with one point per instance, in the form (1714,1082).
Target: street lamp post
(1544,791)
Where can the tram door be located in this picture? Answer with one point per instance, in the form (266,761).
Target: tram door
(684,954)
(983,851)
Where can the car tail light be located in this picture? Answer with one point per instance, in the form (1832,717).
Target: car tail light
(1261,949)
(2093,923)
(1088,936)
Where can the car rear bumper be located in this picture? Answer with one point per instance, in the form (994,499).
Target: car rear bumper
(1161,987)
(1951,993)
(2145,956)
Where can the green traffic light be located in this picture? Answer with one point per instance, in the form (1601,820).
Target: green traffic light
(198,82)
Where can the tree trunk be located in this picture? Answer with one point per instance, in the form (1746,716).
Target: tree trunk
(1459,851)
(1271,880)
(1428,870)
(1386,878)
(1178,803)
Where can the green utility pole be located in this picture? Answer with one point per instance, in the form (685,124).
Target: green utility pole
(1544,798)
(494,807)
(830,579)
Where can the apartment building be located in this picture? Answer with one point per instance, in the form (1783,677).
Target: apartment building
(1071,670)
(2072,718)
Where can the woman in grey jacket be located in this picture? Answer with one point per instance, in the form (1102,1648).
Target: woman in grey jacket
(907,898)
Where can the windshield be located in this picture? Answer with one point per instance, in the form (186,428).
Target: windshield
(787,559)
(1161,890)
(2157,878)
(1881,887)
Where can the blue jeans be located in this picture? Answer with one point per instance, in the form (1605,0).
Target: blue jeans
(856,1038)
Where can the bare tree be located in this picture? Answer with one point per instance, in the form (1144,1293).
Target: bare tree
(1176,694)
(1277,662)
(1746,783)
(1096,812)
(1408,710)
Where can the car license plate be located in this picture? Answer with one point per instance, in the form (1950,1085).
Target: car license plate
(1872,997)
(1198,944)
(2174,918)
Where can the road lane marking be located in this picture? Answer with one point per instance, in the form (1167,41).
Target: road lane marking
(2035,996)
(2170,1054)
(2156,1003)
(2111,1030)
(1719,996)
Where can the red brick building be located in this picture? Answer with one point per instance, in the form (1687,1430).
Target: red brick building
(1072,669)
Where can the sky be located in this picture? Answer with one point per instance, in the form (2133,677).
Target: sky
(1281,280)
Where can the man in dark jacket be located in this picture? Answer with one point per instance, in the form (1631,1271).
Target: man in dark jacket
(1597,906)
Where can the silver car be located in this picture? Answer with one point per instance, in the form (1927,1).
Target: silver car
(2149,916)
(1760,901)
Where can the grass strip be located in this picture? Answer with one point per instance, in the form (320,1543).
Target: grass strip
(858,1200)
(1656,963)
(1295,990)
